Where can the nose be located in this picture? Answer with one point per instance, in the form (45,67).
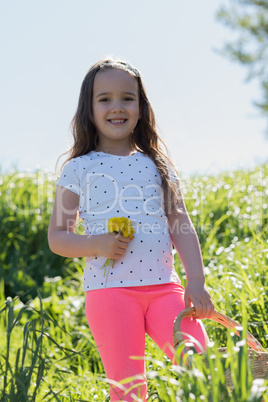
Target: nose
(117,106)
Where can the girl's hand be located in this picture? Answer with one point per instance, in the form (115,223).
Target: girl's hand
(196,294)
(112,245)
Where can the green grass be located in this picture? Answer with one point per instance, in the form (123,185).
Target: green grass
(47,352)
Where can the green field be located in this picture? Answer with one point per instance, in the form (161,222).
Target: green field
(47,352)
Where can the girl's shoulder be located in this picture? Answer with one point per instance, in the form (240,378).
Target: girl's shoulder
(73,172)
(75,165)
(80,160)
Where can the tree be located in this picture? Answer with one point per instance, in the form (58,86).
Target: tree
(250,19)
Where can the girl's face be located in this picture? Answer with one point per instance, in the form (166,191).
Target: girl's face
(115,107)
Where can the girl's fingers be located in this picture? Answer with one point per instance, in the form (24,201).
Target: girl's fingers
(187,301)
(204,310)
(199,309)
(124,239)
(120,237)
(123,245)
(121,249)
(210,309)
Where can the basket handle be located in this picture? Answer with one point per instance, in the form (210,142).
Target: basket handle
(218,317)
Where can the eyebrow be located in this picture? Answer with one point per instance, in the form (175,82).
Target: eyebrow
(109,93)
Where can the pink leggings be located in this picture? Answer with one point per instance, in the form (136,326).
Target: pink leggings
(120,317)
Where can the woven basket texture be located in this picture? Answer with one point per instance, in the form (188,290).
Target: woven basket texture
(258,356)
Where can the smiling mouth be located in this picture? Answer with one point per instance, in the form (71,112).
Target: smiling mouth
(117,121)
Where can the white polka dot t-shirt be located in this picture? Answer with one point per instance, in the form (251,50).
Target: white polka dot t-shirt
(130,186)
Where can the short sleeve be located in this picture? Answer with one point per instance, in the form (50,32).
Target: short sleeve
(69,178)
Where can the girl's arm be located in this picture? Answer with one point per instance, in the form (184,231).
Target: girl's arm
(63,241)
(186,242)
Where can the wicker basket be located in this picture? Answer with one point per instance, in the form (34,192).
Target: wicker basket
(258,356)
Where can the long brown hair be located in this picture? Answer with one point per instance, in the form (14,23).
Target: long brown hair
(144,138)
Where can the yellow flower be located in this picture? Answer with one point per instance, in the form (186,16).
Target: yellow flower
(119,225)
(114,225)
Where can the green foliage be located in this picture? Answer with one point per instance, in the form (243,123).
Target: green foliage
(25,258)
(230,214)
(47,352)
(250,19)
(205,379)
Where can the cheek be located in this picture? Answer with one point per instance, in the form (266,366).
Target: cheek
(135,112)
(98,112)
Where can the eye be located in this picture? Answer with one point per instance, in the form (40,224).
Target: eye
(104,100)
(128,99)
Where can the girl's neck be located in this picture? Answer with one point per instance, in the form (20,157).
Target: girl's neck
(116,150)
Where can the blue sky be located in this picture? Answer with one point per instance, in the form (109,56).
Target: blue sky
(203,105)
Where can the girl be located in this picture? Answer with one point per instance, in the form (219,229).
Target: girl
(117,168)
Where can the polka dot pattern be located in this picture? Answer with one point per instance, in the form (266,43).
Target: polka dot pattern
(130,186)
